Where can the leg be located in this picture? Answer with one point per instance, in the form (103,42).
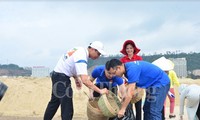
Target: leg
(62,93)
(154,101)
(51,108)
(172,103)
(138,109)
(67,105)
(53,103)
(163,113)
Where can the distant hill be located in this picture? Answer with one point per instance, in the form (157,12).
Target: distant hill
(193,59)
(14,70)
(192,63)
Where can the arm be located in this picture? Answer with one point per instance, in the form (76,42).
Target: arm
(90,90)
(128,97)
(86,81)
(122,90)
(175,79)
(182,102)
(77,82)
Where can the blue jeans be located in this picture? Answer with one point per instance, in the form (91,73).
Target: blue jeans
(154,101)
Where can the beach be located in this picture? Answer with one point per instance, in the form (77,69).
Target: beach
(26,99)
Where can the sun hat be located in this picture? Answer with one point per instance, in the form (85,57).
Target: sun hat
(136,50)
(98,46)
(164,64)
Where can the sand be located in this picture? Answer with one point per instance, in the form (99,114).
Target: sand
(27,98)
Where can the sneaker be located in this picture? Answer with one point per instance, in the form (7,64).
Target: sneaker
(172,116)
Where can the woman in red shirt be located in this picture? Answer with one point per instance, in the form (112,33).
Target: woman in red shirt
(130,52)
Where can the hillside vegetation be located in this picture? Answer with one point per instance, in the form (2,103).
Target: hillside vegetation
(192,63)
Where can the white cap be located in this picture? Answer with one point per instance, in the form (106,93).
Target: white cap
(164,64)
(98,46)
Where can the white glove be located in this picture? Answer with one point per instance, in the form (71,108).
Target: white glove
(171,95)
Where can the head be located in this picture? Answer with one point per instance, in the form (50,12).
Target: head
(95,50)
(129,47)
(108,74)
(114,67)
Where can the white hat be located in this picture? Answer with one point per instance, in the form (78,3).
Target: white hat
(164,64)
(98,46)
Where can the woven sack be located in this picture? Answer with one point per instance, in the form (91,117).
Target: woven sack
(93,111)
(109,104)
(137,95)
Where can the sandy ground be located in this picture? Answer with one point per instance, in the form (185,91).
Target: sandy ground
(27,98)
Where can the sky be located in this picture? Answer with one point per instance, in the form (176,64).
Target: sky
(37,33)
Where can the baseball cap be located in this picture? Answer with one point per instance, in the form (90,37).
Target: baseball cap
(98,46)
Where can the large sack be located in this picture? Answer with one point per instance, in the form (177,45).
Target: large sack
(138,94)
(109,104)
(93,111)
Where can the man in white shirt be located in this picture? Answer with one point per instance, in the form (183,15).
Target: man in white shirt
(71,64)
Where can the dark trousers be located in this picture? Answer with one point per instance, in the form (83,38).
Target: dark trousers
(138,109)
(61,95)
(163,113)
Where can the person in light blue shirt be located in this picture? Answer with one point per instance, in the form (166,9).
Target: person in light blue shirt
(144,75)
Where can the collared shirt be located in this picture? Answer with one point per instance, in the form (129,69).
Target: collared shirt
(99,74)
(145,74)
(127,59)
(73,62)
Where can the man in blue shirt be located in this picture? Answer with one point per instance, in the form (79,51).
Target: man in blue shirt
(105,79)
(144,75)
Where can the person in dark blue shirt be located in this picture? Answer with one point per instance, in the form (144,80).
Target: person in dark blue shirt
(105,79)
(144,75)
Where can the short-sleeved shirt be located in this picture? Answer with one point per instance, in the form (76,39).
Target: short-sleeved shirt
(145,74)
(73,62)
(127,59)
(99,74)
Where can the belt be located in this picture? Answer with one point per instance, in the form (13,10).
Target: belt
(58,74)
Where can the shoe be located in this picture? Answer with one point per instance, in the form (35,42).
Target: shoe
(172,116)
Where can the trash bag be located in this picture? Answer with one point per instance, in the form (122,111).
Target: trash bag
(129,115)
(3,89)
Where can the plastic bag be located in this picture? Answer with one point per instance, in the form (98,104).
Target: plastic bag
(129,115)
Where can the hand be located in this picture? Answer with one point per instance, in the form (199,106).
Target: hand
(181,117)
(171,95)
(78,84)
(104,91)
(120,113)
